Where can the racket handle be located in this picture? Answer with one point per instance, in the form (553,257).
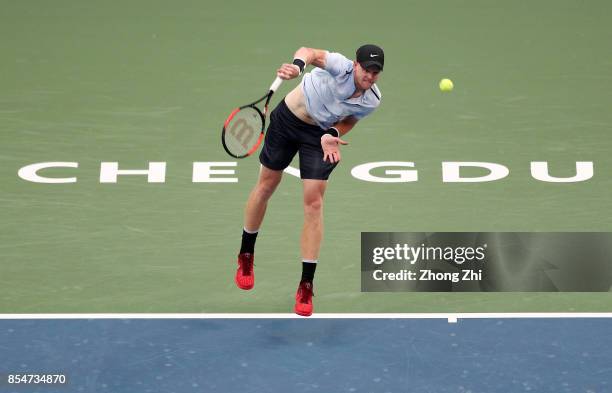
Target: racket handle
(277,82)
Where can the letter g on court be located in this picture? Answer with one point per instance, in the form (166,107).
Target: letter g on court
(362,172)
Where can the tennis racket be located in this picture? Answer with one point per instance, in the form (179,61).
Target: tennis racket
(243,130)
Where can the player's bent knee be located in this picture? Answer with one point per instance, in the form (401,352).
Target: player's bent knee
(265,190)
(313,205)
(268,181)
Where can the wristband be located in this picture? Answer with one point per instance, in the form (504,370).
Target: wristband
(333,131)
(300,63)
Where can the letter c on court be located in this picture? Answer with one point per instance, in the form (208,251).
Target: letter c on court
(30,172)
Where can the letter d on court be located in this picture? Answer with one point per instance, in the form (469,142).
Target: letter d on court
(450,172)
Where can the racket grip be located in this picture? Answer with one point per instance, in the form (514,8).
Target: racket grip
(277,82)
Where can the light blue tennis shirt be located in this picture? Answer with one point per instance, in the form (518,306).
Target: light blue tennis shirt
(328,93)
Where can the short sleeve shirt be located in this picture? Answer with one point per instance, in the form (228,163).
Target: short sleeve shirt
(328,91)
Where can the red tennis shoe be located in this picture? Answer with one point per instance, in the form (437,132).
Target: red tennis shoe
(245,276)
(303,299)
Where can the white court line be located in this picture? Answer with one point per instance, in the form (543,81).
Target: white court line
(450,317)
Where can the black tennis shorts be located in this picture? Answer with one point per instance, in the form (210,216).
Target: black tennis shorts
(287,135)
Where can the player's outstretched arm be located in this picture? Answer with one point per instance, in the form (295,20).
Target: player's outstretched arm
(330,142)
(331,147)
(302,58)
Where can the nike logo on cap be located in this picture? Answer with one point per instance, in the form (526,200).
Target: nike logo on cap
(373,55)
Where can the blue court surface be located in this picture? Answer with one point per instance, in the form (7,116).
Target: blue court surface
(310,355)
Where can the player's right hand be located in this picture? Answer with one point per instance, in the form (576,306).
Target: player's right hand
(288,71)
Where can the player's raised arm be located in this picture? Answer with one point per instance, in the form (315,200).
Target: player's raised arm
(302,58)
(316,57)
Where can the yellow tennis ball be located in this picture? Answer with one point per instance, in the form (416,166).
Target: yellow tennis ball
(446,85)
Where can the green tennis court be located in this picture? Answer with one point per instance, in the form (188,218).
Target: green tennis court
(151,81)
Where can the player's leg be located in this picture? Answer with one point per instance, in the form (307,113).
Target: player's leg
(312,234)
(258,199)
(314,172)
(253,216)
(278,151)
(312,231)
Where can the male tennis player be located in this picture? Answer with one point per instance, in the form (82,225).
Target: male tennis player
(327,104)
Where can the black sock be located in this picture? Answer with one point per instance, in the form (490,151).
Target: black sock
(308,270)
(248,242)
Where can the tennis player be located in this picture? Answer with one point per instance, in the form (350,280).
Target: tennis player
(310,120)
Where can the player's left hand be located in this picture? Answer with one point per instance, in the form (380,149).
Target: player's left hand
(288,71)
(331,148)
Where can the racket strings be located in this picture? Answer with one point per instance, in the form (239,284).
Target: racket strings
(243,131)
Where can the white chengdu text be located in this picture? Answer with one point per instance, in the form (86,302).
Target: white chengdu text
(375,172)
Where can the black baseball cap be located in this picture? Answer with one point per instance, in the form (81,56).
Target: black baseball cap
(371,56)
